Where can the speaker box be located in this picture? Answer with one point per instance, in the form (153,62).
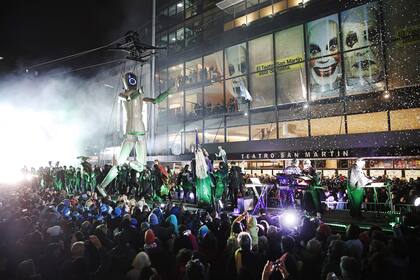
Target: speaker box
(245,203)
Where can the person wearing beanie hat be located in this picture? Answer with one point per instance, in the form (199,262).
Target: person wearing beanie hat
(174,221)
(152,219)
(77,249)
(202,231)
(149,239)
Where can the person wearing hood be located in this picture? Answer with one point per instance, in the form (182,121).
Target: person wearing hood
(174,222)
(140,262)
(159,257)
(252,229)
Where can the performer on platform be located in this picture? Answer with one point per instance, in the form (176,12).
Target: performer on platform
(222,154)
(236,183)
(293,168)
(292,171)
(203,183)
(135,136)
(312,191)
(357,181)
(221,180)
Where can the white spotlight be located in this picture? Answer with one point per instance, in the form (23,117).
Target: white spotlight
(417,202)
(191,196)
(289,219)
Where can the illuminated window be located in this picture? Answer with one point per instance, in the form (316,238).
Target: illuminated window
(193,70)
(280,6)
(362,54)
(261,60)
(176,76)
(406,119)
(236,90)
(371,122)
(290,66)
(237,128)
(262,89)
(190,133)
(328,126)
(263,126)
(293,3)
(193,104)
(214,130)
(174,143)
(213,67)
(175,107)
(293,129)
(214,99)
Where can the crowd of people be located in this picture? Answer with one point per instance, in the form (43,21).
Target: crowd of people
(46,233)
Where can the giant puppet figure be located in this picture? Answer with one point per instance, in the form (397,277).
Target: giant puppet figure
(357,182)
(135,133)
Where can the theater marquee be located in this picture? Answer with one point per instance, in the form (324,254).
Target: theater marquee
(291,155)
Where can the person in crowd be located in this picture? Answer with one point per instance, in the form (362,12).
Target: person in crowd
(236,183)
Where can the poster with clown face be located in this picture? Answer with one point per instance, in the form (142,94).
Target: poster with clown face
(323,51)
(362,55)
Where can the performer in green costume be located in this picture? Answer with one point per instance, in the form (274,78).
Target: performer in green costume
(221,180)
(135,137)
(203,180)
(357,181)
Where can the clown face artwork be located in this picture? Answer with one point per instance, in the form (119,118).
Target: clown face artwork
(324,57)
(363,66)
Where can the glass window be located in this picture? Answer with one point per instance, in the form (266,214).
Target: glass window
(237,128)
(262,89)
(213,67)
(190,8)
(328,126)
(363,57)
(326,110)
(280,6)
(236,64)
(263,126)
(161,143)
(363,123)
(176,76)
(236,94)
(250,3)
(324,57)
(174,143)
(214,99)
(261,54)
(162,115)
(291,113)
(193,71)
(293,3)
(193,103)
(192,31)
(214,130)
(162,80)
(172,10)
(406,119)
(401,17)
(290,67)
(404,64)
(175,107)
(293,129)
(190,133)
(180,7)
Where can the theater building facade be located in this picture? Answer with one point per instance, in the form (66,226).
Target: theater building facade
(270,81)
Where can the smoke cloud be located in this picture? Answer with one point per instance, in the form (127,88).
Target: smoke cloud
(54,117)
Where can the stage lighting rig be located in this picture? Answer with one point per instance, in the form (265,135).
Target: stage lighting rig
(136,50)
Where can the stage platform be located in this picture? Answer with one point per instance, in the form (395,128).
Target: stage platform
(338,220)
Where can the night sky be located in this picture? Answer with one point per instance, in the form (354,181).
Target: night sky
(37,31)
